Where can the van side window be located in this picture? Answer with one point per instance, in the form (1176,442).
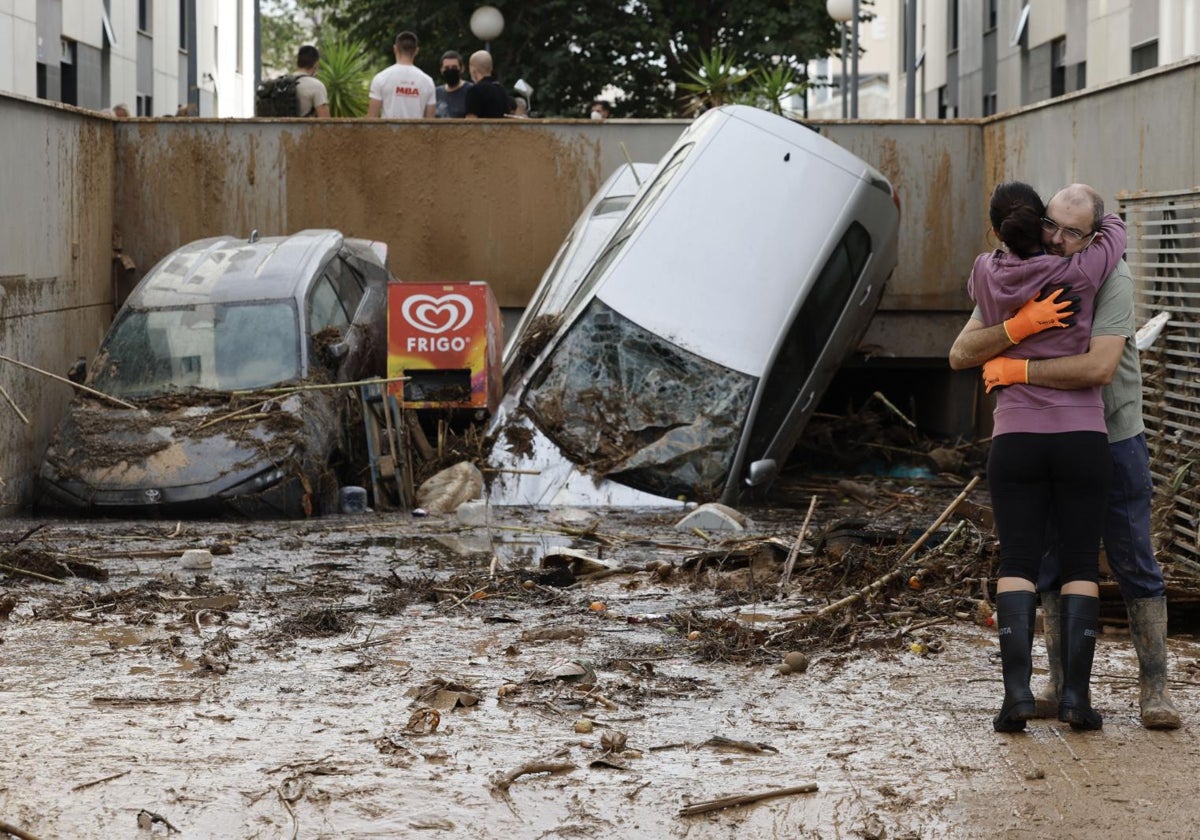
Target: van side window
(324,307)
(347,282)
(807,336)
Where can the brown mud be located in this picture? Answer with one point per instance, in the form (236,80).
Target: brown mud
(385,675)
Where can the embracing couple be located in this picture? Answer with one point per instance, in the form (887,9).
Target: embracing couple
(1053,329)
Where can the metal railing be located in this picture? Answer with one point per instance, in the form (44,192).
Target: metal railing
(1164,256)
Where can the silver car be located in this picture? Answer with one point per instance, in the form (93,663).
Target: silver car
(209,349)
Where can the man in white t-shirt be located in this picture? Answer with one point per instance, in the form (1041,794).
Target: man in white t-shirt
(403,91)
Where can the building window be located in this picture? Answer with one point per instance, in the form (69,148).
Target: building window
(1144,57)
(145,105)
(952,23)
(144,14)
(989,21)
(183,25)
(1058,71)
(989,104)
(943,102)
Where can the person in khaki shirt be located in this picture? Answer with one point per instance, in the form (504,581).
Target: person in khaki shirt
(311,96)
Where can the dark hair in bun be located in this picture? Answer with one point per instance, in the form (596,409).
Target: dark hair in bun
(1016,213)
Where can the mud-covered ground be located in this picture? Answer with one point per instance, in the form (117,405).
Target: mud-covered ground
(391,676)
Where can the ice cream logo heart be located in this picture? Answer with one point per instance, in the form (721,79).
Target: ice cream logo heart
(437,314)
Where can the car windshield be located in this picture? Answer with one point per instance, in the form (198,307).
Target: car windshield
(219,347)
(629,405)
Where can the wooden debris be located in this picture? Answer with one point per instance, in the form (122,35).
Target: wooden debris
(790,563)
(549,765)
(86,785)
(879,583)
(744,799)
(745,746)
(8,828)
(66,381)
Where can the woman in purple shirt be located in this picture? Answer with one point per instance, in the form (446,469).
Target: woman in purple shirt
(1049,463)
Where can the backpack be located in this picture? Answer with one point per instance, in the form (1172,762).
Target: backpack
(278,97)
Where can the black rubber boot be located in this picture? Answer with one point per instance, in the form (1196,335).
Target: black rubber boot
(1148,626)
(1047,698)
(1080,621)
(1014,622)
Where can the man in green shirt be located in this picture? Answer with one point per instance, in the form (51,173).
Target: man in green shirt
(1111,361)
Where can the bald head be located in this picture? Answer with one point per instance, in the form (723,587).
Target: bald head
(1077,208)
(480,64)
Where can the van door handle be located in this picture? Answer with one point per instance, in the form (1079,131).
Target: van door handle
(866,295)
(808,401)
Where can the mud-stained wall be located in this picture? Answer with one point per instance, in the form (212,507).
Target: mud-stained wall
(453,200)
(57,183)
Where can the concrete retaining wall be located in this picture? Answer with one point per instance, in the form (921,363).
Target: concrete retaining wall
(57,182)
(488,201)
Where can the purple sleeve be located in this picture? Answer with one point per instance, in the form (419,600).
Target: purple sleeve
(1095,262)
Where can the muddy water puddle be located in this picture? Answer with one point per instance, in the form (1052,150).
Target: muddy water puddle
(371,679)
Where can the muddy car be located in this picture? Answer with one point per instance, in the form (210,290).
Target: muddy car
(217,350)
(696,347)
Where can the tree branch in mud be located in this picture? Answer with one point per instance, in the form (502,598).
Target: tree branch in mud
(548,764)
(13,831)
(744,799)
(63,379)
(879,583)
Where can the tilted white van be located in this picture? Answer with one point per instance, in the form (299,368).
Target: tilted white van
(696,347)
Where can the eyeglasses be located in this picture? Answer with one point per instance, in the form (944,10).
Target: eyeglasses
(1069,234)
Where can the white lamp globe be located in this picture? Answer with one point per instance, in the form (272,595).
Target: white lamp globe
(839,10)
(487,23)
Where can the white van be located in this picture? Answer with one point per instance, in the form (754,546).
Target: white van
(695,349)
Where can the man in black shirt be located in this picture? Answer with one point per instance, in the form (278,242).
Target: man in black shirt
(487,99)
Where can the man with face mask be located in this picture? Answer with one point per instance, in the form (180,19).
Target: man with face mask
(452,94)
(601,110)
(1112,361)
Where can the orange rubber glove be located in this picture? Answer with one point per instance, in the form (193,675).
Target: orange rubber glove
(1002,371)
(1042,313)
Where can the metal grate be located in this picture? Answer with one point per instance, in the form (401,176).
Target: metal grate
(1164,257)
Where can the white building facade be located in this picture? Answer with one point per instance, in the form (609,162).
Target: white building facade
(977,57)
(154,56)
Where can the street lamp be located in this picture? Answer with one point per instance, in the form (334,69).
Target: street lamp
(486,24)
(842,11)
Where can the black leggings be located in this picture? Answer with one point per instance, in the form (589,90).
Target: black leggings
(1038,480)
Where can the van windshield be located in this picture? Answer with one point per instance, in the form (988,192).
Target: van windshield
(219,347)
(629,405)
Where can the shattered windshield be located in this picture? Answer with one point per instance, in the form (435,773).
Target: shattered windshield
(219,347)
(629,405)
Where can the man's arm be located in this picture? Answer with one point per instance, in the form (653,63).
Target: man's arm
(323,111)
(977,343)
(373,109)
(431,111)
(1068,373)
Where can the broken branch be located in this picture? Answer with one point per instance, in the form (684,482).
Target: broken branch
(744,799)
(86,785)
(7,828)
(879,583)
(58,378)
(20,413)
(505,780)
(795,552)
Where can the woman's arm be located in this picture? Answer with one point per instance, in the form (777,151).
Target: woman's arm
(1095,262)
